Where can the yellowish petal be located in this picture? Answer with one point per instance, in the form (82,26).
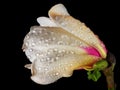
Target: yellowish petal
(76,27)
(51,67)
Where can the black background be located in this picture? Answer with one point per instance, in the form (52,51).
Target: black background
(101,17)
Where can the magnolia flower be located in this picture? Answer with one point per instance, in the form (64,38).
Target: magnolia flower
(60,45)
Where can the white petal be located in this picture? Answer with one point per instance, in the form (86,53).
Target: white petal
(44,21)
(56,65)
(76,27)
(41,37)
(59,9)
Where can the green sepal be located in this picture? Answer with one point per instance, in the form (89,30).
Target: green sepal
(94,75)
(102,64)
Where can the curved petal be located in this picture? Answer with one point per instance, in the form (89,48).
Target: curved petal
(45,21)
(59,62)
(41,37)
(76,27)
(59,9)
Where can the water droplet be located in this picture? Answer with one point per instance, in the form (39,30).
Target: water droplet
(56,74)
(52,60)
(46,69)
(59,51)
(41,60)
(29,57)
(33,44)
(45,33)
(63,51)
(63,24)
(89,37)
(33,31)
(37,54)
(46,40)
(40,31)
(41,55)
(64,37)
(30,50)
(60,42)
(80,43)
(48,58)
(26,43)
(56,58)
(71,64)
(44,29)
(56,18)
(67,52)
(80,28)
(50,51)
(53,38)
(41,38)
(40,42)
(40,68)
(55,49)
(27,37)
(72,52)
(46,44)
